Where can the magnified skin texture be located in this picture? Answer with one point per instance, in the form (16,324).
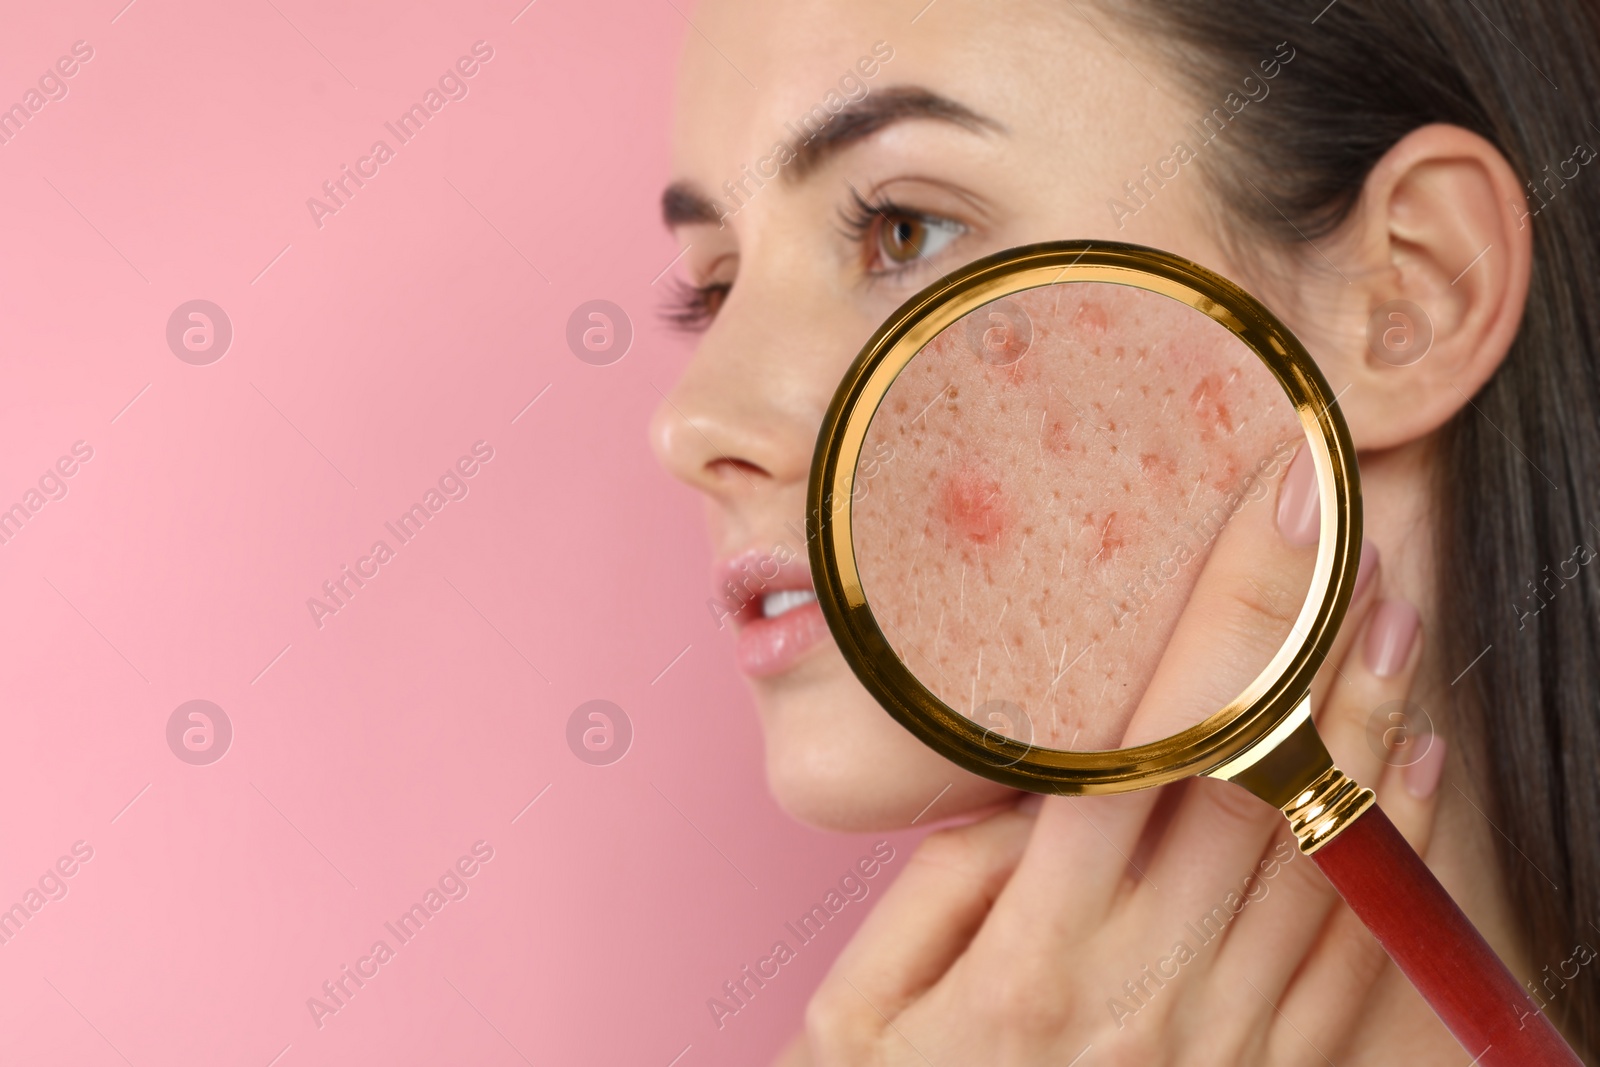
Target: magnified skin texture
(1045,486)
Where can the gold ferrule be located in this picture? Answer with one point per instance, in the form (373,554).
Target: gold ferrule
(1325,807)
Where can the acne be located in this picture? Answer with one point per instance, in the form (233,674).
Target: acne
(1090,319)
(1227,476)
(971,505)
(1004,380)
(1209,403)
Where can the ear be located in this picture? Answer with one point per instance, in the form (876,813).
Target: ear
(1435,261)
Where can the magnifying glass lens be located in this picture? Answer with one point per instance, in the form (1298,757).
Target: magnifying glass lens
(1071,490)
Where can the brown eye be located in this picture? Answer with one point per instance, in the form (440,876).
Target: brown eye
(712,297)
(902,238)
(893,238)
(692,307)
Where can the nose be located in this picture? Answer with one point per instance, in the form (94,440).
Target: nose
(740,421)
(703,448)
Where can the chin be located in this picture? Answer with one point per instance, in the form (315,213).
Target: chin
(838,761)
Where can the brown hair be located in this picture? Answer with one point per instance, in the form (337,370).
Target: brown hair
(1518,469)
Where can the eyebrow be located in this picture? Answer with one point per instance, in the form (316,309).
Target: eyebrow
(683,203)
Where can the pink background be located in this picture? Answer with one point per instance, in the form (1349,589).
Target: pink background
(371,753)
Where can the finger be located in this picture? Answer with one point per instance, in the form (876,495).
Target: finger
(1382,728)
(1223,834)
(1306,936)
(1346,959)
(1078,860)
(1244,605)
(1334,990)
(1243,608)
(923,923)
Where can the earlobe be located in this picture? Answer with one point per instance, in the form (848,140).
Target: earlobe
(1445,239)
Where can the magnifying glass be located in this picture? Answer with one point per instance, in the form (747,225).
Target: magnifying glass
(1046,490)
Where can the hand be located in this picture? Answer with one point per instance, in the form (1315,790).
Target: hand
(1170,926)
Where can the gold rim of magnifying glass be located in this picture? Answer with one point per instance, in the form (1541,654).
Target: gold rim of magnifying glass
(1272,708)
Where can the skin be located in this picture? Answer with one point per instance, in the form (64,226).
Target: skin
(998,932)
(1107,445)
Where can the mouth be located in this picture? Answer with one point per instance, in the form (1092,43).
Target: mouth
(769,599)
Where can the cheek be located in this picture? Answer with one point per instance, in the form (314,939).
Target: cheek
(838,761)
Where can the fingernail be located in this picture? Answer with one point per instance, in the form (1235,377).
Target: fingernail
(1389,638)
(1299,505)
(1422,777)
(1365,568)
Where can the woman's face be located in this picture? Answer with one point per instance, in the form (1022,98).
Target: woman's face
(957,133)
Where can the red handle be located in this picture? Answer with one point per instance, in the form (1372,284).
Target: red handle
(1437,947)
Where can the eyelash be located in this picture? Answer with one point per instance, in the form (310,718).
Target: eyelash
(693,307)
(863,217)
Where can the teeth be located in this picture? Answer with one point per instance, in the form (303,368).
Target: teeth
(775,604)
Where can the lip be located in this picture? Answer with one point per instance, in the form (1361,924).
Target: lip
(766,647)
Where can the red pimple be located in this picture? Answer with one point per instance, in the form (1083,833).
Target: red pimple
(1091,318)
(1207,402)
(972,505)
(998,344)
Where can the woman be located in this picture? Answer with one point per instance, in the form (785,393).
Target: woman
(833,158)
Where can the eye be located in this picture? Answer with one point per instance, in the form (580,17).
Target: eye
(904,238)
(692,307)
(894,238)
